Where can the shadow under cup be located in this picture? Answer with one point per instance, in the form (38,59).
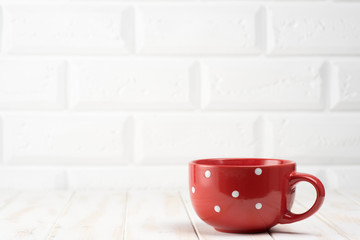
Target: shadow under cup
(247,194)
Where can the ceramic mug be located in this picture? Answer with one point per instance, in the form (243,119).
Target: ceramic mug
(248,194)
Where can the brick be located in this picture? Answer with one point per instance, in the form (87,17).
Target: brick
(317,139)
(253,84)
(32,178)
(68,29)
(346,89)
(180,138)
(32,84)
(1,140)
(127,177)
(133,84)
(66,139)
(1,27)
(198,29)
(315,29)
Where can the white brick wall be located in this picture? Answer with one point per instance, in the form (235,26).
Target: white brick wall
(132,84)
(318,28)
(269,84)
(198,29)
(316,138)
(346,91)
(70,29)
(128,83)
(32,84)
(69,139)
(178,138)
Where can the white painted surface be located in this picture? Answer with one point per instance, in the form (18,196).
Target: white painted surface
(340,211)
(78,139)
(280,84)
(30,215)
(91,215)
(140,177)
(310,29)
(29,84)
(183,74)
(206,232)
(129,84)
(71,29)
(157,215)
(317,138)
(153,214)
(134,177)
(311,228)
(206,29)
(347,91)
(180,138)
(33,178)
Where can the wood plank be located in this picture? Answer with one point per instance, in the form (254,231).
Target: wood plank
(352,193)
(6,197)
(157,215)
(312,228)
(92,215)
(206,232)
(30,215)
(341,212)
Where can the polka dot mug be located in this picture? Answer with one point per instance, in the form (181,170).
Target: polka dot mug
(248,194)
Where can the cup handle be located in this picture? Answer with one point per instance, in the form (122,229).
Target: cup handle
(296,177)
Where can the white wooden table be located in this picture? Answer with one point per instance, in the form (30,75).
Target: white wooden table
(154,214)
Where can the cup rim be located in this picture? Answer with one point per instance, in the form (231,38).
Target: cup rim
(220,162)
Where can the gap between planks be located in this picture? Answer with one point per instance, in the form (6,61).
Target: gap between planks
(331,222)
(340,211)
(91,215)
(315,227)
(157,215)
(145,215)
(189,214)
(30,215)
(51,230)
(125,215)
(206,232)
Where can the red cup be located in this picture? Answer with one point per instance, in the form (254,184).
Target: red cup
(245,195)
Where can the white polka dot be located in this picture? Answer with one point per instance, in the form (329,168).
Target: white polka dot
(193,189)
(258,205)
(217,208)
(207,173)
(258,171)
(235,194)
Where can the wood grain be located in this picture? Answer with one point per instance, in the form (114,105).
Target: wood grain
(30,215)
(157,215)
(206,232)
(312,228)
(352,193)
(7,197)
(138,215)
(91,216)
(340,211)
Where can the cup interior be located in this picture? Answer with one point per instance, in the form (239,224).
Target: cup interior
(242,162)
